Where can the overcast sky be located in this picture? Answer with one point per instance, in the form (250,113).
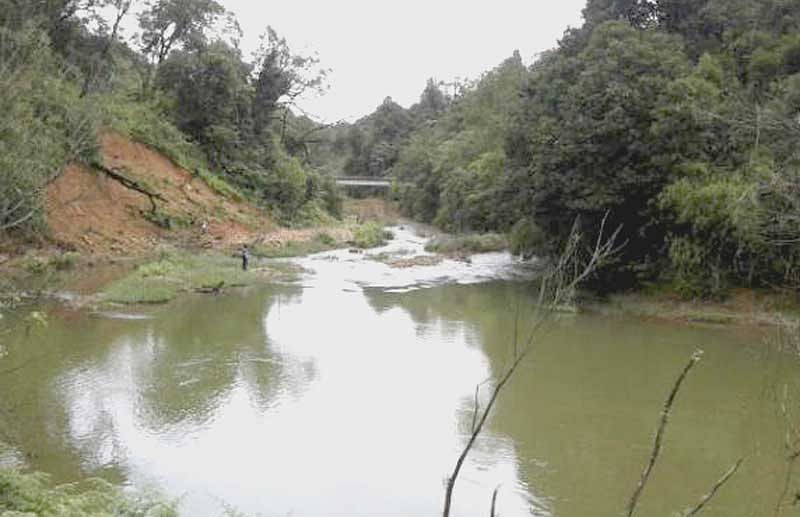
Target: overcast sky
(380,48)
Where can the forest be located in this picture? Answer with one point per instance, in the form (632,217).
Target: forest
(181,86)
(673,120)
(653,150)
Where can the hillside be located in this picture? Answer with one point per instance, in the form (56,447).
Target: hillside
(89,211)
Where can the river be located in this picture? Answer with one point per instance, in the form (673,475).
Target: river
(349,392)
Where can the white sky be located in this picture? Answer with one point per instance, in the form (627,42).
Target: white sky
(380,48)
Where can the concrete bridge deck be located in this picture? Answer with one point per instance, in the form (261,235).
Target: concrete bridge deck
(363,181)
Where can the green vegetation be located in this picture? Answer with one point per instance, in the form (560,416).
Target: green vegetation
(371,235)
(34,494)
(36,264)
(181,87)
(675,121)
(174,272)
(468,244)
(298,248)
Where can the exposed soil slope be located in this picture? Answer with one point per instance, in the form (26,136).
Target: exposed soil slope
(90,212)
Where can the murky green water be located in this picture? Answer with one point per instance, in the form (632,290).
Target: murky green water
(350,394)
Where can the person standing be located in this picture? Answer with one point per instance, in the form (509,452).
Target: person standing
(245,257)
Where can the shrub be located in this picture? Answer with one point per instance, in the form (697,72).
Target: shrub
(468,244)
(44,125)
(371,235)
(526,238)
(33,494)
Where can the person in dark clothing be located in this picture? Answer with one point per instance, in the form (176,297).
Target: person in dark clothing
(245,257)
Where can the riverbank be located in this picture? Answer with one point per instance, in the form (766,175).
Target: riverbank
(169,271)
(85,279)
(742,307)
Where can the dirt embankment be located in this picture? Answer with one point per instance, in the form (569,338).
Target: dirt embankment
(91,212)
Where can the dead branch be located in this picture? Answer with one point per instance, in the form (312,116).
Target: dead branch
(561,280)
(710,495)
(131,184)
(791,448)
(493,512)
(662,427)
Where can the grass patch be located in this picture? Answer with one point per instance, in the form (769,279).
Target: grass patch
(371,235)
(219,185)
(34,494)
(321,242)
(714,318)
(164,279)
(468,244)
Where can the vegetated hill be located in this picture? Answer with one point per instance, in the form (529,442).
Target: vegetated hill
(90,211)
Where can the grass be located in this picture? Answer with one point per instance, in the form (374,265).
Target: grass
(173,273)
(34,494)
(39,264)
(371,235)
(468,244)
(219,185)
(145,123)
(744,307)
(321,242)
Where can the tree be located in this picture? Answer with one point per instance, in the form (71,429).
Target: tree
(211,98)
(588,142)
(121,7)
(166,24)
(432,102)
(44,125)
(281,79)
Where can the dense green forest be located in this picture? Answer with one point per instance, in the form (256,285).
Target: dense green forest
(181,85)
(678,120)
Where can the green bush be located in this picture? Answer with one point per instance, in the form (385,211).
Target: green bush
(44,124)
(371,235)
(64,261)
(526,238)
(468,244)
(34,494)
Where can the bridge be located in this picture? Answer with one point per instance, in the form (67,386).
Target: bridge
(363,181)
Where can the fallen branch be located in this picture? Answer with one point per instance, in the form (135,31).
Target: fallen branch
(131,184)
(662,427)
(710,495)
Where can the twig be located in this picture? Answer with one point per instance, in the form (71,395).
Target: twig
(451,481)
(662,426)
(493,512)
(565,275)
(710,495)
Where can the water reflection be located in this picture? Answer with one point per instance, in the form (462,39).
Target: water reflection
(345,397)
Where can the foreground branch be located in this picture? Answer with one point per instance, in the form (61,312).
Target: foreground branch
(560,282)
(710,495)
(662,427)
(493,512)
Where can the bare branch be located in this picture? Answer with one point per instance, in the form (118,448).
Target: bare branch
(493,512)
(662,427)
(560,281)
(710,495)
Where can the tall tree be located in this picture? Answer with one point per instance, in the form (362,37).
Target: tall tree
(166,24)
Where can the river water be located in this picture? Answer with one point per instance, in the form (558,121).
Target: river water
(350,391)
